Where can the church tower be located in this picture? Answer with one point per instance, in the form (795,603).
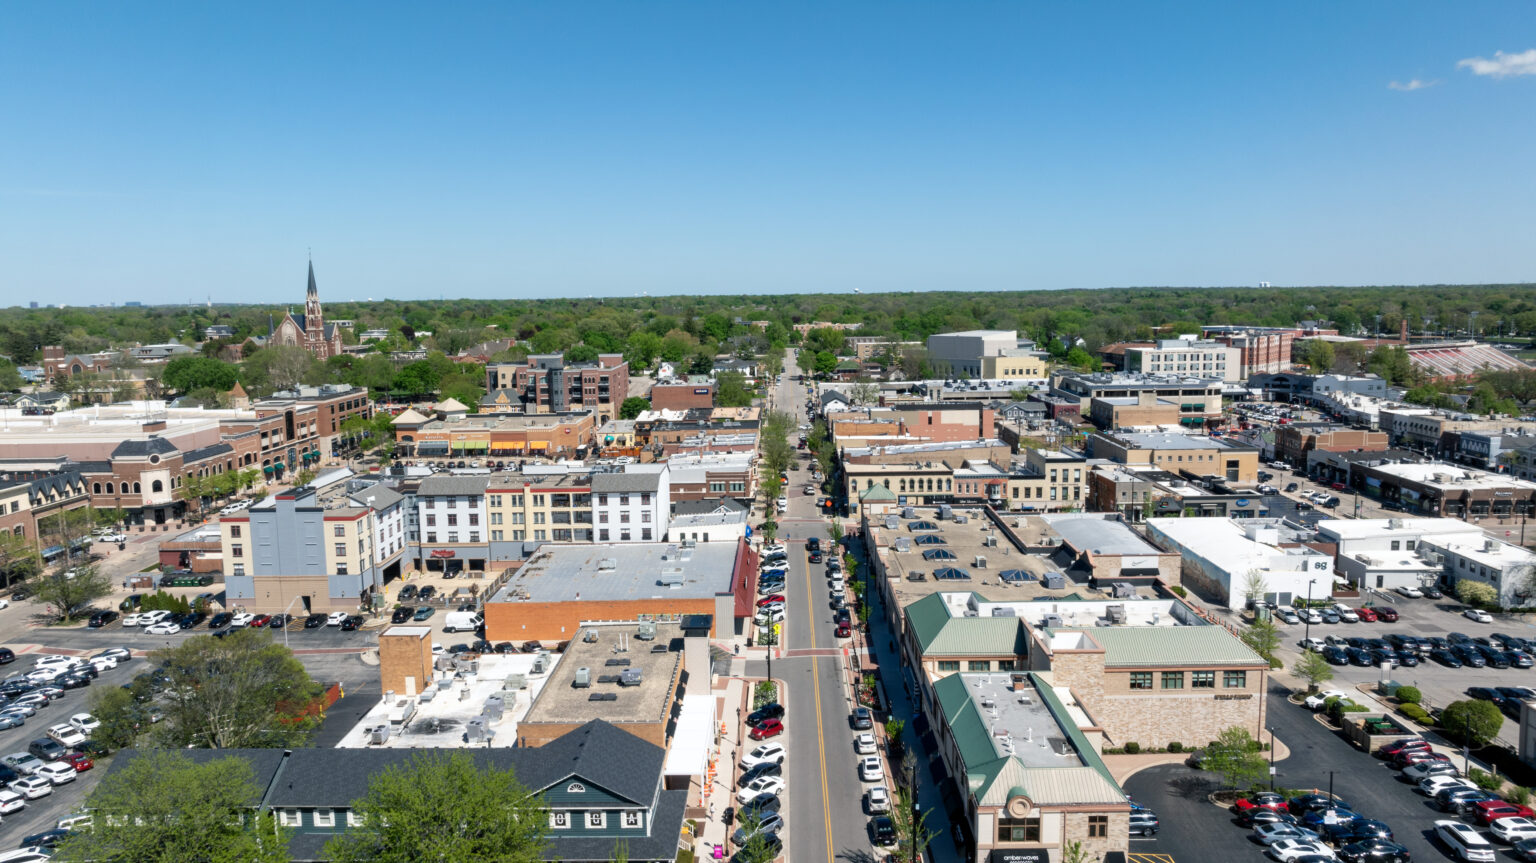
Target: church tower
(314,322)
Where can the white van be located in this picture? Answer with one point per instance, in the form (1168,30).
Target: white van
(462,621)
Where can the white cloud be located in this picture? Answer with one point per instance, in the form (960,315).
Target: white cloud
(1502,65)
(1410,86)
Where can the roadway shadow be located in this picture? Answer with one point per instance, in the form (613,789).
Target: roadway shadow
(860,855)
(1192,786)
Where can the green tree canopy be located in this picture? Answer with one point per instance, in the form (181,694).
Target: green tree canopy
(162,807)
(731,390)
(1235,756)
(444,808)
(1473,722)
(633,406)
(189,372)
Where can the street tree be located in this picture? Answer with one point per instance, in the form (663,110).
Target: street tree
(1476,593)
(18,558)
(1263,637)
(1235,756)
(69,594)
(1254,587)
(1312,668)
(244,690)
(756,849)
(731,390)
(1472,722)
(865,392)
(444,808)
(163,807)
(633,406)
(912,830)
(1074,852)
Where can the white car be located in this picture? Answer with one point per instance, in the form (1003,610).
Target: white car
(1311,615)
(870,769)
(773,613)
(121,654)
(66,734)
(1345,613)
(767,753)
(1289,849)
(244,618)
(864,744)
(1478,615)
(761,785)
(165,627)
(150,617)
(1513,829)
(112,537)
(776,548)
(53,661)
(133,619)
(103,663)
(30,854)
(337,618)
(1315,644)
(879,800)
(1278,831)
(58,772)
(85,723)
(11,802)
(1433,785)
(1410,592)
(1317,701)
(33,787)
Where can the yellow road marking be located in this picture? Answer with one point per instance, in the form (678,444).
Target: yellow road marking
(1151,858)
(821,745)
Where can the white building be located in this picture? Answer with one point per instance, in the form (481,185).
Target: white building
(1221,554)
(1388,553)
(1186,356)
(451,518)
(1509,569)
(959,354)
(632,506)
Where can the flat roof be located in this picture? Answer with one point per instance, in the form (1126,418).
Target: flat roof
(1099,533)
(1499,556)
(1366,528)
(1168,440)
(618,572)
(1456,476)
(439,716)
(617,649)
(1135,646)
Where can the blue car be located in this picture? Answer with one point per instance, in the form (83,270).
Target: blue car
(11,720)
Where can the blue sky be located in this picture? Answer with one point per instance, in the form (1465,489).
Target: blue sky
(168,152)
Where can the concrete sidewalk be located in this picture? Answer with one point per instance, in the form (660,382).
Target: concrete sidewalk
(717,796)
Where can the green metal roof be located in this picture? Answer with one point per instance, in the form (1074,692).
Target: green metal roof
(1137,646)
(877,492)
(939,634)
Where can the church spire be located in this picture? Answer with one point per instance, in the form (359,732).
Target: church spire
(313,291)
(314,321)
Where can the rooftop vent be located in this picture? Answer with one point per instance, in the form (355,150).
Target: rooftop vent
(583,678)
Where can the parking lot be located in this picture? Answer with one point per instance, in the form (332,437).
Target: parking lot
(1420,617)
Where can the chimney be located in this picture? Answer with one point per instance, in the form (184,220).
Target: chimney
(153,426)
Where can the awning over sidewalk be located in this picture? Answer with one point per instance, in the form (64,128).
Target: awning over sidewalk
(695,736)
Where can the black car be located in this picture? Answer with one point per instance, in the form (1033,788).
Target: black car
(767,711)
(815,557)
(813,544)
(506,647)
(1494,658)
(7,656)
(1359,830)
(1312,802)
(1373,851)
(47,838)
(883,830)
(1358,642)
(1362,658)
(352,623)
(73,680)
(1406,658)
(1458,638)
(863,720)
(1446,658)
(758,806)
(408,592)
(842,615)
(20,594)
(315,621)
(1469,656)
(1335,655)
(757,771)
(101,618)
(1403,642)
(220,620)
(426,593)
(1515,693)
(1433,593)
(402,614)
(1483,693)
(279,621)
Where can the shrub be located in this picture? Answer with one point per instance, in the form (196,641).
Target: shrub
(1179,589)
(1409,694)
(1175,746)
(1417,714)
(1132,748)
(1520,794)
(1485,780)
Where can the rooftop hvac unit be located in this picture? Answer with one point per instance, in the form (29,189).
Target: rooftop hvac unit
(980,562)
(991,540)
(514,682)
(962,519)
(583,678)
(945,512)
(630,677)
(1050,621)
(903,543)
(1123,590)
(1003,611)
(646,631)
(607,564)
(891,522)
(908,512)
(494,706)
(916,575)
(539,664)
(476,730)
(971,612)
(1055,581)
(1490,545)
(378,735)
(1394,524)
(589,636)
(1115,613)
(672,578)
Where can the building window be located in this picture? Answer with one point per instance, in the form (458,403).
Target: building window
(341,549)
(1202,679)
(979,665)
(234,531)
(1235,679)
(1006,665)
(496,536)
(602,534)
(949,665)
(237,551)
(239,569)
(1141,680)
(1098,826)
(354,819)
(634,818)
(1173,680)
(596,820)
(1019,829)
(431,536)
(289,817)
(338,530)
(325,818)
(559,820)
(645,534)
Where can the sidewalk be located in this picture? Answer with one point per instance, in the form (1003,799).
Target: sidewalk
(729,704)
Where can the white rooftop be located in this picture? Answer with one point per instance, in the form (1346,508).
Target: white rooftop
(1237,546)
(1137,611)
(1488,552)
(1364,528)
(1447,476)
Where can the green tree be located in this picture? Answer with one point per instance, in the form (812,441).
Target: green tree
(18,558)
(10,378)
(1254,587)
(69,594)
(633,407)
(1080,359)
(1235,756)
(1318,356)
(190,372)
(1263,637)
(731,390)
(1475,723)
(911,823)
(824,362)
(239,691)
(1313,668)
(162,807)
(444,808)
(1390,363)
(117,711)
(1476,593)
(279,367)
(864,393)
(756,849)
(1074,852)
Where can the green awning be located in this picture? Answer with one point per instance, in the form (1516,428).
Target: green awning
(277,465)
(267,469)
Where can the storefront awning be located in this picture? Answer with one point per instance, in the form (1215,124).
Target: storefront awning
(267,469)
(505,448)
(538,445)
(432,447)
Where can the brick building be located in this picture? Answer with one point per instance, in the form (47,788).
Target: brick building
(546,383)
(1294,441)
(683,396)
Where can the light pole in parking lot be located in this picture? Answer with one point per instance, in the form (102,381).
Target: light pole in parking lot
(1271,759)
(1308,635)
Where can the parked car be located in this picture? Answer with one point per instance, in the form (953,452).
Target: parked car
(1478,615)
(768,753)
(879,800)
(862,719)
(766,729)
(772,710)
(870,769)
(1463,841)
(1144,822)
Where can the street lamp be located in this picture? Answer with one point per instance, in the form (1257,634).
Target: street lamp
(1271,759)
(1308,635)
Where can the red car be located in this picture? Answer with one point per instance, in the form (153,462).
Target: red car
(79,761)
(766,729)
(770,599)
(1261,800)
(1489,811)
(1418,756)
(1366,613)
(1337,486)
(260,620)
(1404,745)
(1386,613)
(844,630)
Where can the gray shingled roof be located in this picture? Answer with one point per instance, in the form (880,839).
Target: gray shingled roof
(210,451)
(153,445)
(628,482)
(449,485)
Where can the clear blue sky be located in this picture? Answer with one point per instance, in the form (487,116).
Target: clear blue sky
(167,152)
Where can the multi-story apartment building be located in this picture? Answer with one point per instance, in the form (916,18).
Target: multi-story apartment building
(538,505)
(26,502)
(547,384)
(309,550)
(453,522)
(632,506)
(333,405)
(1186,356)
(1185,455)
(1198,398)
(1260,349)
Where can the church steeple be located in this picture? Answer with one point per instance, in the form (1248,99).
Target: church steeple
(314,321)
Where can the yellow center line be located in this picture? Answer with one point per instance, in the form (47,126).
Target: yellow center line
(821,745)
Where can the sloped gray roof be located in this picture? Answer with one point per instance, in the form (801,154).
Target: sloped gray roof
(627,482)
(153,445)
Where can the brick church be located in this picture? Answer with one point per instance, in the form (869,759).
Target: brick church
(308,330)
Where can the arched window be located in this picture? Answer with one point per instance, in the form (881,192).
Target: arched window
(948,484)
(95,488)
(21,530)
(109,488)
(137,489)
(157,486)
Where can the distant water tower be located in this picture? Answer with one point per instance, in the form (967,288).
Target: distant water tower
(1263,284)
